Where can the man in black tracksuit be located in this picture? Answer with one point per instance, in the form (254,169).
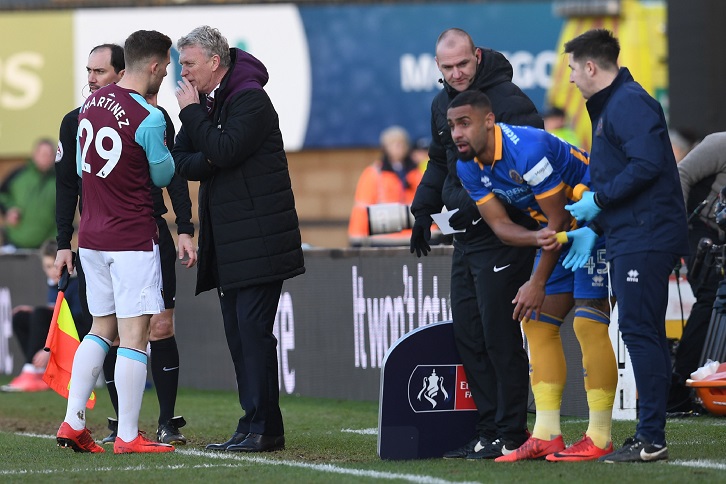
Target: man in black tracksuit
(486,275)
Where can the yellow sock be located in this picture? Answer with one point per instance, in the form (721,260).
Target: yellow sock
(547,421)
(601,421)
(600,369)
(548,373)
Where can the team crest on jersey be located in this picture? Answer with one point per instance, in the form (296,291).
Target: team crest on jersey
(516,177)
(59,152)
(439,388)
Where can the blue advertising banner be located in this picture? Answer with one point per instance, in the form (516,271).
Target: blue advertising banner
(373,66)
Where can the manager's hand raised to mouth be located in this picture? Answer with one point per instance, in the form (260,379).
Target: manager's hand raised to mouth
(186,94)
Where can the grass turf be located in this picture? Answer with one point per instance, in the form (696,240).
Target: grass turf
(318,449)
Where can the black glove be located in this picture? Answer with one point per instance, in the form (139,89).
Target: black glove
(464,217)
(420,236)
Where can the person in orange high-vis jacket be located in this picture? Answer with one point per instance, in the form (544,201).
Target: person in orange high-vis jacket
(392,179)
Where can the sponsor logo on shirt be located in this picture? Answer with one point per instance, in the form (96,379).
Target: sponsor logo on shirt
(539,172)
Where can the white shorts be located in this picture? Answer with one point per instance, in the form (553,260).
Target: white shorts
(127,283)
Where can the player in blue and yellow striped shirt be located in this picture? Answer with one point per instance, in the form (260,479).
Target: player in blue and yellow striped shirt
(539,174)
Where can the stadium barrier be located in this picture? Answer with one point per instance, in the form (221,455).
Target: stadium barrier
(334,324)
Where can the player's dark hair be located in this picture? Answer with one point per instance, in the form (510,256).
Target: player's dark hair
(143,45)
(474,98)
(117,56)
(598,45)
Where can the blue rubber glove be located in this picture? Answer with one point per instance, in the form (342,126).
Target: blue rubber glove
(586,209)
(583,240)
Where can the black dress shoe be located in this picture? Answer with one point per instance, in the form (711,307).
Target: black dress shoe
(237,437)
(259,443)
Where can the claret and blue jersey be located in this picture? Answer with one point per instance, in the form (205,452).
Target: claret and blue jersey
(529,165)
(120,149)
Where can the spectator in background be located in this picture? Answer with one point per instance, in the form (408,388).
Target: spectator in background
(555,122)
(703,174)
(420,153)
(30,325)
(27,199)
(391,179)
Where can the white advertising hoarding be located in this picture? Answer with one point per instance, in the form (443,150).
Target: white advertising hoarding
(273,34)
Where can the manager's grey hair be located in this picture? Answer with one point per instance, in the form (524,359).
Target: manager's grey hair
(209,39)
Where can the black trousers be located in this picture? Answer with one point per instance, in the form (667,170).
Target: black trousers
(249,316)
(489,341)
(31,330)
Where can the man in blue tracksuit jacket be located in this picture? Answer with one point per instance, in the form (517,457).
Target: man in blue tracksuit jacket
(637,200)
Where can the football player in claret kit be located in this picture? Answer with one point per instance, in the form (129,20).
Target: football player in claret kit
(121,150)
(106,65)
(538,173)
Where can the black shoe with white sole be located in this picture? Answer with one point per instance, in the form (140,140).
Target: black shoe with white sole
(168,433)
(113,427)
(463,451)
(637,450)
(494,449)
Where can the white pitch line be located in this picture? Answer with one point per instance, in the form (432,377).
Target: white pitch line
(371,431)
(704,464)
(30,434)
(24,472)
(329,468)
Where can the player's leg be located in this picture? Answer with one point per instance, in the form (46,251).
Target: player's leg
(164,351)
(109,374)
(592,316)
(137,291)
(498,275)
(86,367)
(90,354)
(130,372)
(547,367)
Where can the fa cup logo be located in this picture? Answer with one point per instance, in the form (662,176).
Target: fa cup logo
(432,385)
